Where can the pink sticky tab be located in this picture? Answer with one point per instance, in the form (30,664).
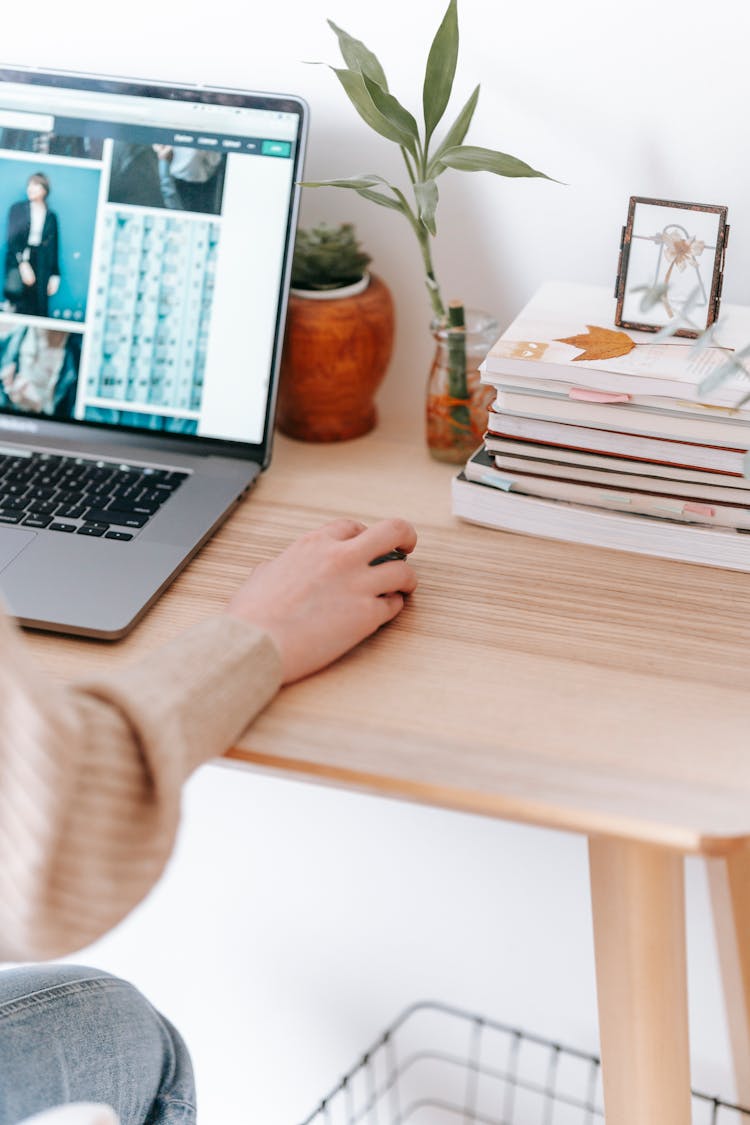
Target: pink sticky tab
(585,394)
(699,509)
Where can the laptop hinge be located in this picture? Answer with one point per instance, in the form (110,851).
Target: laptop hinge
(96,441)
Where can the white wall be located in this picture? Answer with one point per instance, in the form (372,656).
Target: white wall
(295,922)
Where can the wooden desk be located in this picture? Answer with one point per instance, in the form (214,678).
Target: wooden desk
(536,681)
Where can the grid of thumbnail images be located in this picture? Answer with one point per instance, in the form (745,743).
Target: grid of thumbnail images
(109,257)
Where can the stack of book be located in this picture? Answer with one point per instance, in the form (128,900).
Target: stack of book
(598,434)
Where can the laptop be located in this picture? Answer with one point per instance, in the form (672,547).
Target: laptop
(146,233)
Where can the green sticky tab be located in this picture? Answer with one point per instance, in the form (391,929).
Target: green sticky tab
(498,482)
(275,148)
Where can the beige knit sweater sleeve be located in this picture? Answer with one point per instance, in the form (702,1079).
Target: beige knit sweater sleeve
(90,775)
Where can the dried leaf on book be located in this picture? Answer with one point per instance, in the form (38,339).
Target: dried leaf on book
(599,343)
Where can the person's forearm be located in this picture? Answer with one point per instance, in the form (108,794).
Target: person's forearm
(90,776)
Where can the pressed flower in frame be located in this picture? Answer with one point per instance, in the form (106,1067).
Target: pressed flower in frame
(671,255)
(681,250)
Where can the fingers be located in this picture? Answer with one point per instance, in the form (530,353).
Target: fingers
(393,577)
(381,538)
(389,606)
(343,528)
(384,536)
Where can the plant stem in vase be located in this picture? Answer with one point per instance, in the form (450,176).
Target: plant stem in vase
(457,386)
(457,400)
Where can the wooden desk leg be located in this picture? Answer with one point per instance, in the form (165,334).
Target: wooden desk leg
(729,880)
(638,898)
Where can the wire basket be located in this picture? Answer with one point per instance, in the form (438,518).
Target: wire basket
(438,1065)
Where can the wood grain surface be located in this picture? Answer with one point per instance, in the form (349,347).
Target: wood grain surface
(546,682)
(638,906)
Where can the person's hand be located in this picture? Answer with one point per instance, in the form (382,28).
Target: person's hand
(28,277)
(8,374)
(163,152)
(25,395)
(53,285)
(320,596)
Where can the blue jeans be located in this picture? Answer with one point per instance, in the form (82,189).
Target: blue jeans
(70,1034)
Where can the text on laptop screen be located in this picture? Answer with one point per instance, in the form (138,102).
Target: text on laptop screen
(143,244)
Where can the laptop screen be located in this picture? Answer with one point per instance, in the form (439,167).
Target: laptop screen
(145,235)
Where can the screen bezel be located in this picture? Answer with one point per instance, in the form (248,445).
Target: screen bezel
(211,95)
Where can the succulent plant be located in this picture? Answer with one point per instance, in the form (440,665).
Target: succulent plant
(328,257)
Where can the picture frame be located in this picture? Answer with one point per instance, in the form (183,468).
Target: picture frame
(671,254)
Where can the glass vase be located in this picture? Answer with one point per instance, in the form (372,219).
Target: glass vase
(457,402)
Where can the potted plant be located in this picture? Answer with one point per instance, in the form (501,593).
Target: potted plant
(328,258)
(452,431)
(339,338)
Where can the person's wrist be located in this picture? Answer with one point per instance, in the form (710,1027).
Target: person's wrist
(251,621)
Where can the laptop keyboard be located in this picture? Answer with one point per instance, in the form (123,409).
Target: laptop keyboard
(78,496)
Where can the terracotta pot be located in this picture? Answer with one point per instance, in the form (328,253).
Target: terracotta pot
(336,353)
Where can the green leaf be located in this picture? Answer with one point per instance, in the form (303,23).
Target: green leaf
(358,94)
(358,57)
(707,339)
(399,202)
(668,331)
(353,182)
(394,112)
(470,158)
(728,370)
(455,134)
(440,71)
(427,198)
(652,295)
(378,197)
(364,186)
